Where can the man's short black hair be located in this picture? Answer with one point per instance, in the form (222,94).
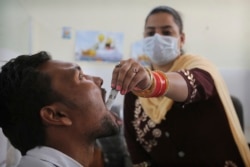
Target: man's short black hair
(24,90)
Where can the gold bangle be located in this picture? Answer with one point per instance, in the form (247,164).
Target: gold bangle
(149,89)
(151,79)
(145,93)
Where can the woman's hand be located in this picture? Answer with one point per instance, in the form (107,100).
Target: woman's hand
(130,75)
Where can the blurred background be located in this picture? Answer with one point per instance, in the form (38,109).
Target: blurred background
(216,29)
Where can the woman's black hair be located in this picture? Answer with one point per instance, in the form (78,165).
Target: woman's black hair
(169,10)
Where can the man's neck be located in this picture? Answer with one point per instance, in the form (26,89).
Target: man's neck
(80,150)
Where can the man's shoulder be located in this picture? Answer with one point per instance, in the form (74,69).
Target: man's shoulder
(30,161)
(47,157)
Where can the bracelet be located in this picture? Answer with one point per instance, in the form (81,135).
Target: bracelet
(151,78)
(147,91)
(159,85)
(165,84)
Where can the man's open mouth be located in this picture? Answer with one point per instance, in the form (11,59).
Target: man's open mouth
(103,94)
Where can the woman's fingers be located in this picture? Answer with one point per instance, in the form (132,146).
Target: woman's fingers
(115,76)
(129,74)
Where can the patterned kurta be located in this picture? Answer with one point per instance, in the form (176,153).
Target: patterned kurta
(194,133)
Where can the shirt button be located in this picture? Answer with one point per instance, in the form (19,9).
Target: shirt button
(167,134)
(181,154)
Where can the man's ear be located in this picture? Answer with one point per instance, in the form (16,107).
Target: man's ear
(52,116)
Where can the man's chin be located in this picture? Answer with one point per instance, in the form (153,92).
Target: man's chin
(110,127)
(114,132)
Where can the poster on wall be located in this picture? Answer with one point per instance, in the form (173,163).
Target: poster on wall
(99,46)
(138,54)
(66,32)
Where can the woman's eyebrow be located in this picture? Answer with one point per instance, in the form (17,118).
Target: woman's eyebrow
(166,27)
(162,27)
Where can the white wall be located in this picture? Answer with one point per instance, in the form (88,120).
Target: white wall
(216,29)
(14,22)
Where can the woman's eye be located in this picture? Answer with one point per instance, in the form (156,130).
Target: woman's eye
(166,33)
(152,33)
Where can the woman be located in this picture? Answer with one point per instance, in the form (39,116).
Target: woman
(178,113)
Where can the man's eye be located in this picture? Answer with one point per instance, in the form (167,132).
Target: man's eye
(81,76)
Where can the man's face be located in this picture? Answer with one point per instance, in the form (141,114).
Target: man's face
(83,100)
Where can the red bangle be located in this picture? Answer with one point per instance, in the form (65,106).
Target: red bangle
(165,83)
(158,85)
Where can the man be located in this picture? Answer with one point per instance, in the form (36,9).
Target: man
(52,112)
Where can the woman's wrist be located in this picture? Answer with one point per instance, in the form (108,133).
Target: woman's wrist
(159,85)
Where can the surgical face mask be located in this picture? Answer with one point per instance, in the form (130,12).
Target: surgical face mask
(161,49)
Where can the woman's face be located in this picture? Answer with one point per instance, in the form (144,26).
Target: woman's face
(163,24)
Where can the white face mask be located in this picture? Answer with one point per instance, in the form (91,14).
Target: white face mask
(161,49)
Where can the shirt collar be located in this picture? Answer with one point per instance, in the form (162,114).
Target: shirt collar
(53,156)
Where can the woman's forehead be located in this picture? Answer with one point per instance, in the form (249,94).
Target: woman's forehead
(159,19)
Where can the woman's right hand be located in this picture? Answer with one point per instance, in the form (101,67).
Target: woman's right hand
(130,75)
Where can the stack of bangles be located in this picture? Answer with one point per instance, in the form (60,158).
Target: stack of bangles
(158,87)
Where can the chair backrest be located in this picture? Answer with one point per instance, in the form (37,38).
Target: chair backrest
(239,110)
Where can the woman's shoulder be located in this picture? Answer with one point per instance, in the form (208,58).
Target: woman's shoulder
(192,61)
